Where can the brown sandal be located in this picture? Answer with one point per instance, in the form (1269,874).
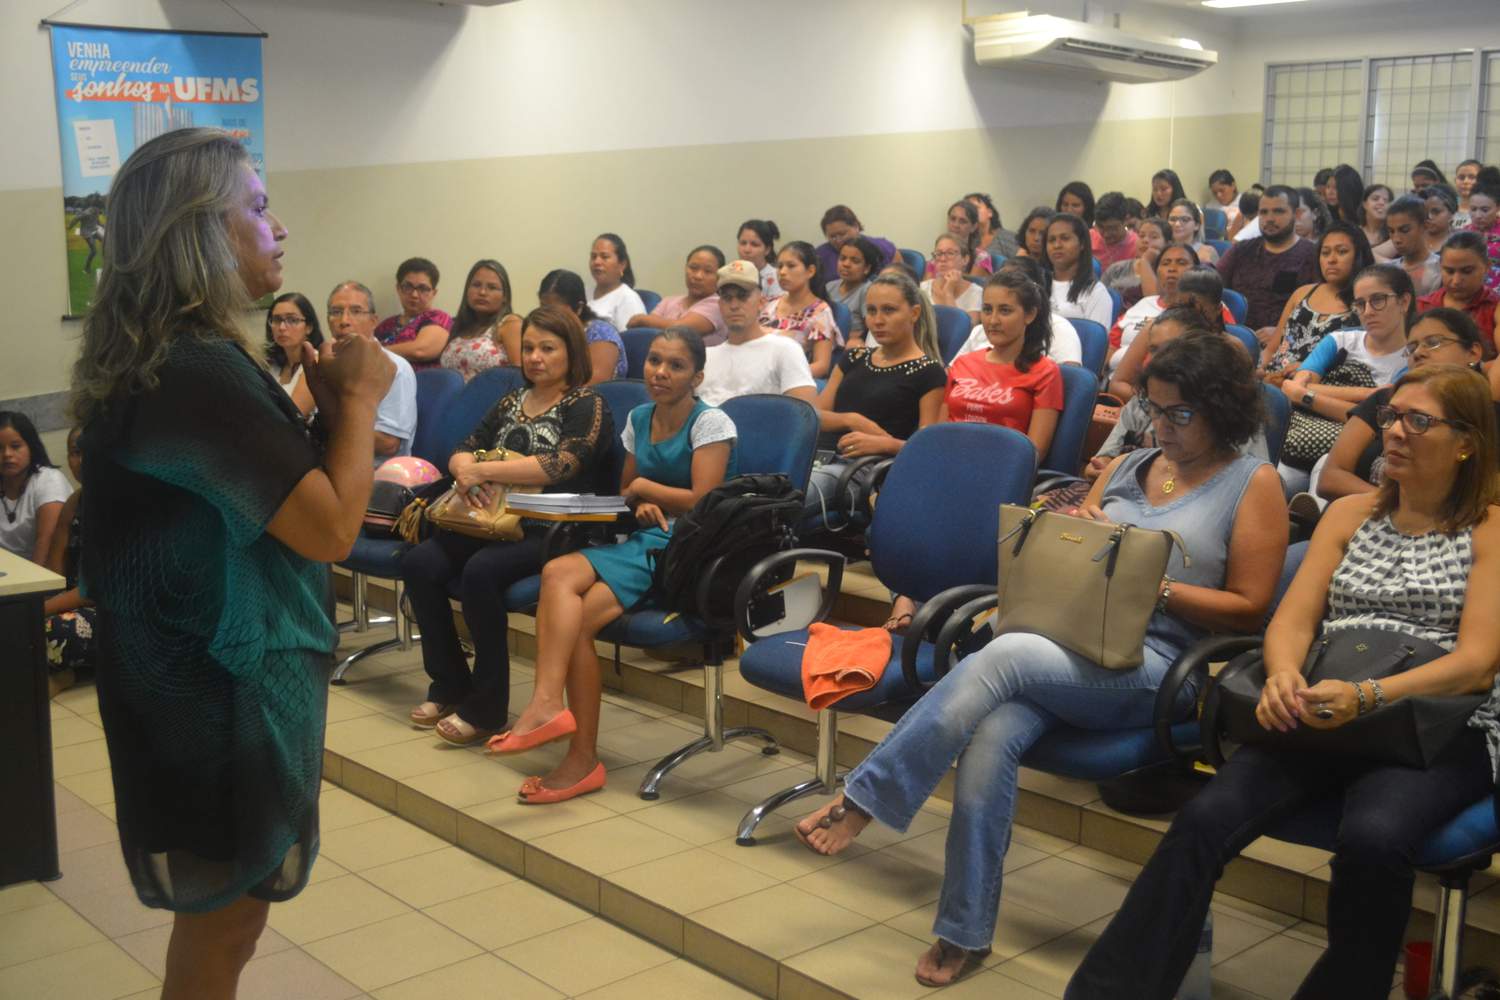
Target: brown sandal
(450,733)
(947,952)
(424,720)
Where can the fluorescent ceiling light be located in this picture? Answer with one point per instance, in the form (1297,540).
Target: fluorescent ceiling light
(1246,3)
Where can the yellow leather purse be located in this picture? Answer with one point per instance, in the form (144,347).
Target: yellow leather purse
(492,522)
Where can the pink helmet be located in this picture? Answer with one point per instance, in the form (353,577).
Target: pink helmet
(407,471)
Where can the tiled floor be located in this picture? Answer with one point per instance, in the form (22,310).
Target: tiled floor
(397,911)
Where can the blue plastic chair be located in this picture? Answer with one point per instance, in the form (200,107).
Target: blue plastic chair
(436,390)
(1065,454)
(1237,304)
(1215,223)
(936,526)
(953,328)
(649,299)
(1098,269)
(777,434)
(843,320)
(915,261)
(1278,419)
(381,557)
(1095,340)
(1245,336)
(637,342)
(621,395)
(1221,247)
(1117,305)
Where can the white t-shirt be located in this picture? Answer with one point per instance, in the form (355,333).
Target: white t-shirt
(397,414)
(970,300)
(1131,324)
(1066,349)
(1386,368)
(45,485)
(770,284)
(1251,230)
(768,364)
(618,306)
(1094,304)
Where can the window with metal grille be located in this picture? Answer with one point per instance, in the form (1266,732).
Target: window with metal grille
(1419,108)
(1489,110)
(1312,119)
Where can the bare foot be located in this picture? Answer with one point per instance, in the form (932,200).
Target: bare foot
(832,828)
(945,963)
(902,609)
(455,730)
(427,714)
(535,715)
(570,771)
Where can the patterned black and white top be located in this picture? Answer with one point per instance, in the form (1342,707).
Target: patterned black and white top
(1401,583)
(569,440)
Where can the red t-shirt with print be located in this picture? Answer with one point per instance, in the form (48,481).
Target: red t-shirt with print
(982,392)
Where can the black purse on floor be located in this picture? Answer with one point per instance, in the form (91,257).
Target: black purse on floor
(1411,732)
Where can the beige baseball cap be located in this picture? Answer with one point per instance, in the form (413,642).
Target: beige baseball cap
(739,272)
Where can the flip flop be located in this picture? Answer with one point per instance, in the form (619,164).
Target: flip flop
(560,725)
(895,623)
(972,960)
(534,793)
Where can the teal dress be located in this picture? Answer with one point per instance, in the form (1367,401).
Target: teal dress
(213,637)
(626,568)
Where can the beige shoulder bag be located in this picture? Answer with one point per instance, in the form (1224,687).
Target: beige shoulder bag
(451,512)
(1089,586)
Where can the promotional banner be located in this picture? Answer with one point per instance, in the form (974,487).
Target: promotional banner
(117,89)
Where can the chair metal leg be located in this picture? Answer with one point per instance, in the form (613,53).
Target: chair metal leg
(714,734)
(823,782)
(360,600)
(403,639)
(1448,934)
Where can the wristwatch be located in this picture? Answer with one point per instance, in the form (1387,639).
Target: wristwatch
(1308,397)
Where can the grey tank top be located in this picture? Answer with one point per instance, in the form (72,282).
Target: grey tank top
(1203,518)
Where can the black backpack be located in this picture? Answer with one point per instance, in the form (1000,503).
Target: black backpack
(739,522)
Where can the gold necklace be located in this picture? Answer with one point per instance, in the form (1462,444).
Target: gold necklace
(1170,483)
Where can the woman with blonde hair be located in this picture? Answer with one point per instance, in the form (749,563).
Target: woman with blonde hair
(211,511)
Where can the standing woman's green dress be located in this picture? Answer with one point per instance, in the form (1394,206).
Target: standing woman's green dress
(213,637)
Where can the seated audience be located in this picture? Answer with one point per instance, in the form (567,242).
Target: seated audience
(1033,233)
(1173,262)
(1349,191)
(1356,464)
(1316,310)
(1328,193)
(1135,279)
(556,431)
(677,449)
(1076,199)
(1425,174)
(70,617)
(1484,219)
(752,359)
(881,394)
(1266,270)
(1463,265)
(1166,188)
(1429,530)
(1313,216)
(994,238)
(1187,229)
(802,313)
(757,244)
(1076,293)
(564,290)
(291,322)
(698,307)
(32,489)
(952,260)
(1246,225)
(419,332)
(486,329)
(1134,213)
(1465,176)
(351,313)
(614,297)
(963,223)
(1065,346)
(1442,204)
(1405,221)
(994,705)
(839,226)
(1112,242)
(859,262)
(1226,199)
(1377,201)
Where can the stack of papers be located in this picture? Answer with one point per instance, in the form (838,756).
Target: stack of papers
(566,503)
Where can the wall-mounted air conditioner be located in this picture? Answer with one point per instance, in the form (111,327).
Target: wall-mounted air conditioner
(1054,43)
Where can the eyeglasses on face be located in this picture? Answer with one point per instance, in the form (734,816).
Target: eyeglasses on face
(944,254)
(353,312)
(1415,421)
(1374,303)
(407,288)
(290,319)
(1431,343)
(1180,415)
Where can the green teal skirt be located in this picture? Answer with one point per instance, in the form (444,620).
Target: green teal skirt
(626,568)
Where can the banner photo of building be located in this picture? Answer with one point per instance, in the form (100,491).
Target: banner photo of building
(117,89)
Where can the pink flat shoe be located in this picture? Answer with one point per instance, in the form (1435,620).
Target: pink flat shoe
(560,725)
(534,793)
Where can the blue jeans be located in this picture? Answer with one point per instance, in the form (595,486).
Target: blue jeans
(987,713)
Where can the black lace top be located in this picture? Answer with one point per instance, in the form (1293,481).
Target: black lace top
(568,440)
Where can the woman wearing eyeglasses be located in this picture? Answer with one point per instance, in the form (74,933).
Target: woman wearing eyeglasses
(292,322)
(1357,462)
(1418,556)
(420,332)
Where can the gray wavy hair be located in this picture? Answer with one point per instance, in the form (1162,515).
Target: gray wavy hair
(170,267)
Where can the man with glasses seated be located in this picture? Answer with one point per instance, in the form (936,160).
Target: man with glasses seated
(351,313)
(419,332)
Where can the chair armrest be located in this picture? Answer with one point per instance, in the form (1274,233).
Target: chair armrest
(770,569)
(1193,661)
(1208,722)
(957,638)
(882,469)
(930,619)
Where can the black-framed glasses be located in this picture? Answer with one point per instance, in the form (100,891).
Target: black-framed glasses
(1179,415)
(1415,421)
(1431,343)
(289,320)
(1374,303)
(407,288)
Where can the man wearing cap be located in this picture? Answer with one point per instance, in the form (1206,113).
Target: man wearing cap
(752,359)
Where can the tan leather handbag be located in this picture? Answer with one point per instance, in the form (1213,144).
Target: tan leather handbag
(451,512)
(1089,586)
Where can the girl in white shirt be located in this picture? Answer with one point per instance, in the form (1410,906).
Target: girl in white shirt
(951,260)
(32,489)
(614,295)
(1076,294)
(757,244)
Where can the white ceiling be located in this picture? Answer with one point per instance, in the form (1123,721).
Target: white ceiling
(1309,6)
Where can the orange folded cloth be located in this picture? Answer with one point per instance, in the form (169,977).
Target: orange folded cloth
(839,662)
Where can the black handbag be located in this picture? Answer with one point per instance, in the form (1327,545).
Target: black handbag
(1310,436)
(1411,732)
